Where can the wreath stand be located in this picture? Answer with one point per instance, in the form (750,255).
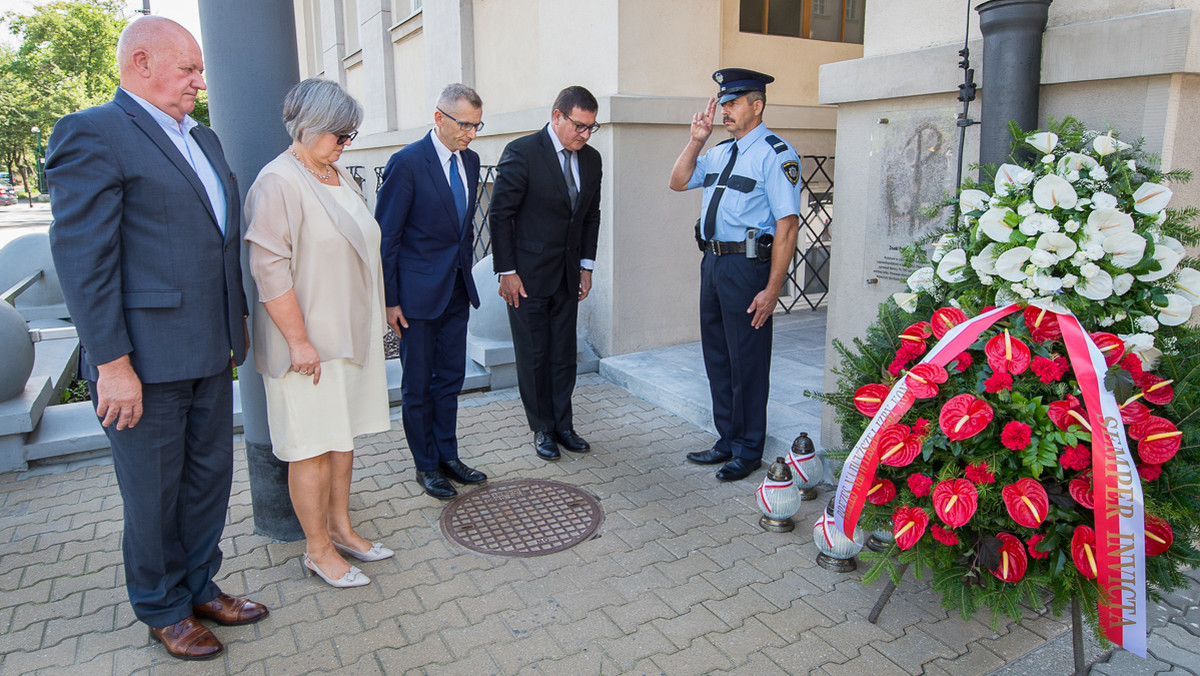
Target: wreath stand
(1076,619)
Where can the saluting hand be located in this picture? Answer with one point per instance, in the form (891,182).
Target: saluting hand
(702,123)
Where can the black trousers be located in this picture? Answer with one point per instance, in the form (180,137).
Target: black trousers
(174,469)
(543,331)
(737,356)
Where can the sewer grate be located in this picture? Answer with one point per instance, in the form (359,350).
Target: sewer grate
(522,517)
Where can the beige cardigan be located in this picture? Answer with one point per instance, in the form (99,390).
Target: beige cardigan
(331,278)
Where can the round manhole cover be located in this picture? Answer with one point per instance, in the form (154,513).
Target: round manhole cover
(523,517)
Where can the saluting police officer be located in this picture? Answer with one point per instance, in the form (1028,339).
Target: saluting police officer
(747,229)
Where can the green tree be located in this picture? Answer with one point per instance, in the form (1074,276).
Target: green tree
(70,41)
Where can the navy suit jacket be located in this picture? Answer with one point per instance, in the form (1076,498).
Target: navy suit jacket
(423,244)
(534,229)
(142,262)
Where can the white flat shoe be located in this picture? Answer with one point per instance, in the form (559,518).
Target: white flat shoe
(377,552)
(354,578)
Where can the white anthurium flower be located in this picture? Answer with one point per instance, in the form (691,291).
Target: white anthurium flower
(1011,176)
(1177,310)
(1142,344)
(906,301)
(1042,258)
(1060,245)
(1188,285)
(1047,283)
(940,246)
(1010,264)
(921,279)
(1076,163)
(1103,200)
(1043,142)
(985,262)
(972,200)
(1122,283)
(1146,323)
(953,266)
(1126,248)
(1107,145)
(993,225)
(1048,159)
(1097,287)
(1110,221)
(1052,191)
(1173,244)
(1050,304)
(1150,198)
(1161,217)
(1168,258)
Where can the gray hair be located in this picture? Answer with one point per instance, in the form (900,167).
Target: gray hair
(456,92)
(755,95)
(317,106)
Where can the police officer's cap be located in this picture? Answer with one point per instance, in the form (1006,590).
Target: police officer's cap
(736,82)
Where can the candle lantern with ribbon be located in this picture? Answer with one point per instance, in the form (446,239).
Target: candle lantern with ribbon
(806,466)
(837,551)
(778,498)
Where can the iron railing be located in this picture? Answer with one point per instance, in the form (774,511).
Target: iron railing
(808,276)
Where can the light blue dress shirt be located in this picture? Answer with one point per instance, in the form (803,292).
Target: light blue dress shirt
(180,134)
(773,197)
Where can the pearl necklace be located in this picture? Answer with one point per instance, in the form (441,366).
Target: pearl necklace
(319,177)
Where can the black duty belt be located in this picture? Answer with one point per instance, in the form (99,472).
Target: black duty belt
(724,248)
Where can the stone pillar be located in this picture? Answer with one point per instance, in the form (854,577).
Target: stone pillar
(449,28)
(251,62)
(332,39)
(1012,64)
(379,99)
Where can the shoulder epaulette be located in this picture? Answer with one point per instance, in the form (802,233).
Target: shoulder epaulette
(777,143)
(728,140)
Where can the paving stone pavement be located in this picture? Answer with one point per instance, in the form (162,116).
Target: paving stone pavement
(681,579)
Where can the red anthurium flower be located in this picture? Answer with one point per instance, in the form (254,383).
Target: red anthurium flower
(1081,489)
(1042,324)
(1066,412)
(920,330)
(946,537)
(1005,353)
(964,416)
(868,398)
(1134,411)
(1158,439)
(1111,346)
(1032,544)
(1026,501)
(923,380)
(913,338)
(908,525)
(945,319)
(955,501)
(1158,535)
(882,492)
(1013,561)
(1083,551)
(897,445)
(1157,390)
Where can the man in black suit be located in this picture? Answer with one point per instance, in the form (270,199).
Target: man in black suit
(425,209)
(146,241)
(545,220)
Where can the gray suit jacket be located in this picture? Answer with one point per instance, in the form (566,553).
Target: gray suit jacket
(142,262)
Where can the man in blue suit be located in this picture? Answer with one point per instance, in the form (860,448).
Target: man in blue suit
(424,210)
(146,242)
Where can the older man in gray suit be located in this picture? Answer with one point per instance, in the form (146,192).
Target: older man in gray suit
(146,242)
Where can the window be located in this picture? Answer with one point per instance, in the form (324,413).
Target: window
(831,20)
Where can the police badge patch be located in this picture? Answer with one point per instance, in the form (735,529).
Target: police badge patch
(791,169)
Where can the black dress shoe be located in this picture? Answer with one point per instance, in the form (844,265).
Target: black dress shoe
(738,468)
(710,457)
(435,485)
(456,470)
(572,442)
(546,448)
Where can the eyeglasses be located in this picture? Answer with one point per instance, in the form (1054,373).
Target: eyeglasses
(465,126)
(580,128)
(343,139)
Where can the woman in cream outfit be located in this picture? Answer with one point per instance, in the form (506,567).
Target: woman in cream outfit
(318,325)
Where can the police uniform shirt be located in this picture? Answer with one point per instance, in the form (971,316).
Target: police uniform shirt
(763,188)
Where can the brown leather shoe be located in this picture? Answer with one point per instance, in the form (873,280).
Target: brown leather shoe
(187,639)
(231,610)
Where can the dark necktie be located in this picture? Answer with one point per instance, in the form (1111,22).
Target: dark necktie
(458,191)
(572,190)
(710,217)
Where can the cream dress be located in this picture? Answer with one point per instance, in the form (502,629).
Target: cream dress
(350,400)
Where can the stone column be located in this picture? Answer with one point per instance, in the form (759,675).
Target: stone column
(251,62)
(1012,68)
(449,29)
(379,99)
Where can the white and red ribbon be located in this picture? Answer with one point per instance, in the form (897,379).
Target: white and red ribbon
(1120,534)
